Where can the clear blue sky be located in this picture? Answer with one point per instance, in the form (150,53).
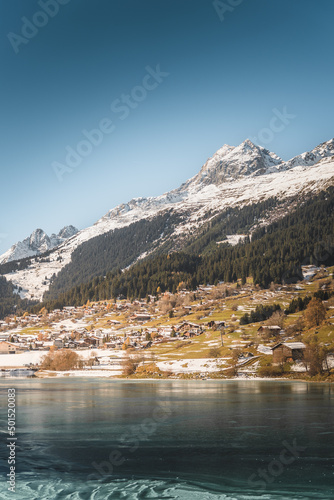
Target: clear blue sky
(225,78)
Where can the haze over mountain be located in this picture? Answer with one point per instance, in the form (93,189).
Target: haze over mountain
(233,177)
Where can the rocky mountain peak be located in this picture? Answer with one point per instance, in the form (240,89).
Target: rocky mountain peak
(37,243)
(67,232)
(230,163)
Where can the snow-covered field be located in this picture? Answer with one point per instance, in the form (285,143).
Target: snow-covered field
(34,357)
(204,365)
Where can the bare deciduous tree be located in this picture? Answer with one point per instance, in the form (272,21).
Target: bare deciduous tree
(315,312)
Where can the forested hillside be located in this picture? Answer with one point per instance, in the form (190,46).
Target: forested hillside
(109,251)
(275,253)
(234,220)
(120,248)
(10,302)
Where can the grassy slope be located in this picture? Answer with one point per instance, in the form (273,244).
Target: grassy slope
(229,310)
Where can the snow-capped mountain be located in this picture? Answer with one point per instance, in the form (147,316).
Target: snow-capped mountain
(232,177)
(324,150)
(66,232)
(38,242)
(230,163)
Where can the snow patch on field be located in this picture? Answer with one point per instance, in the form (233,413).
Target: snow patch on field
(192,365)
(233,239)
(264,349)
(34,357)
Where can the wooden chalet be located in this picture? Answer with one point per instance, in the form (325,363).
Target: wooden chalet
(269,330)
(288,352)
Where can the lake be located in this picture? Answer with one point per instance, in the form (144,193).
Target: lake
(112,439)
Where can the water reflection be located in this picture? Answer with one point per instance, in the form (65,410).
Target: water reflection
(214,432)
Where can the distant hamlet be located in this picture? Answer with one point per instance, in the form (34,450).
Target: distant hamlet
(222,331)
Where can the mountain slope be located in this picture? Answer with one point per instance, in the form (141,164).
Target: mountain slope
(234,177)
(276,253)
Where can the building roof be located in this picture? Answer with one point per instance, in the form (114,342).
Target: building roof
(295,345)
(271,327)
(291,345)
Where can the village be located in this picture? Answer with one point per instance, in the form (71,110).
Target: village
(192,334)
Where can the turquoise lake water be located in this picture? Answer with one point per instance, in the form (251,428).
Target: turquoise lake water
(199,440)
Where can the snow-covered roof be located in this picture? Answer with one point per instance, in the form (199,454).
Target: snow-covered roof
(271,327)
(291,345)
(295,345)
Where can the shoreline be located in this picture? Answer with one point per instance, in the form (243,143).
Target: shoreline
(104,375)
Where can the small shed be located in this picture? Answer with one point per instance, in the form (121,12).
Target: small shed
(271,330)
(288,351)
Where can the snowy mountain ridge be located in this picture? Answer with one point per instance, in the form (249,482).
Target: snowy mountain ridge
(230,163)
(37,243)
(233,176)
